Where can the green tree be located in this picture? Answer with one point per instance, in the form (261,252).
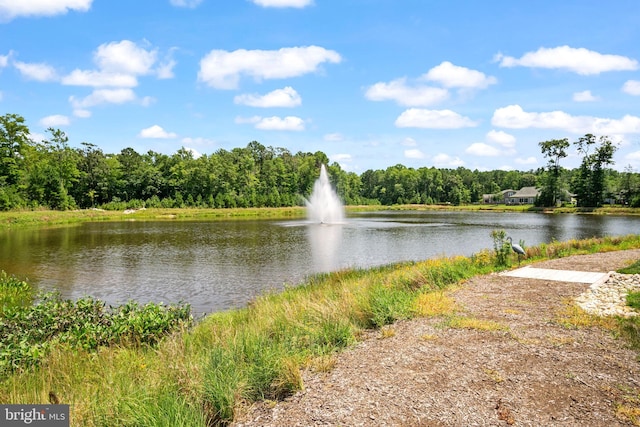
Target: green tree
(589,183)
(553,150)
(14,140)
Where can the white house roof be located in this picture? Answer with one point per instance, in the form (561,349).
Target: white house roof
(525,192)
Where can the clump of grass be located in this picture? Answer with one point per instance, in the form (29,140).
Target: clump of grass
(629,329)
(494,375)
(573,317)
(631,269)
(628,407)
(633,300)
(431,304)
(387,332)
(463,322)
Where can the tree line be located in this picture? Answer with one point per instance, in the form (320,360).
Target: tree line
(52,174)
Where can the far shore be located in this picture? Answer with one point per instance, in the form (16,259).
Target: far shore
(43,217)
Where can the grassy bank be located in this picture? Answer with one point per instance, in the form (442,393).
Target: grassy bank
(206,373)
(49,217)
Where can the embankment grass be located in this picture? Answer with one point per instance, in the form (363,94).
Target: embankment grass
(207,374)
(41,218)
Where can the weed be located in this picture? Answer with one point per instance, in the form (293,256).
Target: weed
(387,332)
(461,322)
(432,304)
(493,374)
(573,317)
(325,363)
(501,248)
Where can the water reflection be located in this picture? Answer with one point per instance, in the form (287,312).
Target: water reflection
(324,240)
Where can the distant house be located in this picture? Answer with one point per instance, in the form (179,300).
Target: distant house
(498,197)
(524,196)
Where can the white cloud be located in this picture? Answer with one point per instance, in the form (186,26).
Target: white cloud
(119,65)
(446,161)
(54,121)
(99,79)
(482,149)
(584,96)
(632,87)
(147,100)
(433,119)
(334,137)
(10,9)
(156,132)
(83,114)
(284,3)
(414,153)
(185,3)
(286,97)
(633,157)
(514,117)
(577,60)
(449,75)
(197,141)
(273,123)
(279,123)
(124,57)
(341,157)
(409,142)
(39,72)
(502,138)
(4,60)
(528,161)
(406,95)
(222,69)
(103,96)
(165,69)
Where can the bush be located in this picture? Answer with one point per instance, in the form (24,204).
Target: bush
(14,293)
(27,332)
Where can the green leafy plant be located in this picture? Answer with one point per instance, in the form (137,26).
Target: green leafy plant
(501,248)
(13,292)
(28,332)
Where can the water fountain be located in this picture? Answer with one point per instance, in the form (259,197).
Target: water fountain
(324,206)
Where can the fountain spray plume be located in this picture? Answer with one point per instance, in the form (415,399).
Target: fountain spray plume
(324,206)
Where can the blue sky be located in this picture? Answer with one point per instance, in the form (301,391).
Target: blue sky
(371,83)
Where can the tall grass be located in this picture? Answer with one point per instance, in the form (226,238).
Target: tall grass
(207,374)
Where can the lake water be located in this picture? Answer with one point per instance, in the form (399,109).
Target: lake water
(216,265)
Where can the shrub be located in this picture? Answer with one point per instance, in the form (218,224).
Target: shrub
(14,293)
(27,332)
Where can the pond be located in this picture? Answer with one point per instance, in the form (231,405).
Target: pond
(216,265)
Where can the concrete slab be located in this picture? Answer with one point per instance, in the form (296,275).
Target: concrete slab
(529,272)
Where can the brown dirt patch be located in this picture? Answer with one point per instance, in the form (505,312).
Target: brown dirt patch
(530,371)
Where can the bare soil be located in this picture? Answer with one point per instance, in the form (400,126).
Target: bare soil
(533,372)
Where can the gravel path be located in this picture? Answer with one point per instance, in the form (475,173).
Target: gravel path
(529,371)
